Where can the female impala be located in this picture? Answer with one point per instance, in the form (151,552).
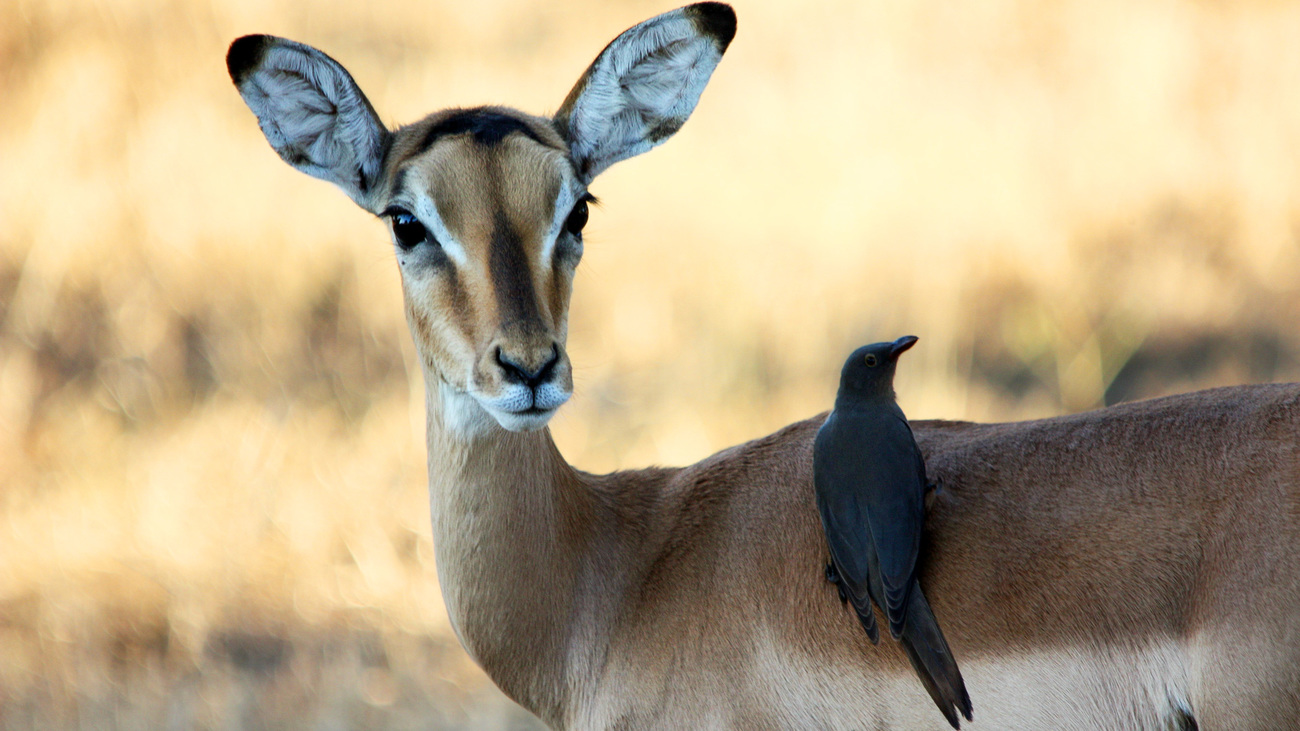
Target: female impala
(1130,568)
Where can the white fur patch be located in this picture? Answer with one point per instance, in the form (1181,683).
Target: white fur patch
(462,414)
(508,408)
(639,91)
(550,396)
(427,212)
(563,206)
(468,415)
(1116,688)
(1067,688)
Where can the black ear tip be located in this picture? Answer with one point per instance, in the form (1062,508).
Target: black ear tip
(245,54)
(715,19)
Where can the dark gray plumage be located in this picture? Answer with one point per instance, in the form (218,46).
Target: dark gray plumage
(870,480)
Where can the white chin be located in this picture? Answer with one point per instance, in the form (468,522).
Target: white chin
(527,421)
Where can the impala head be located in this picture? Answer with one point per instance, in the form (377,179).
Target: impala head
(486,206)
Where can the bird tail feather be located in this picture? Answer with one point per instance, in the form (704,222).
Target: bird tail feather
(868,619)
(895,601)
(933,661)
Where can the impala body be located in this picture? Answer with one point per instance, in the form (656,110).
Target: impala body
(1131,568)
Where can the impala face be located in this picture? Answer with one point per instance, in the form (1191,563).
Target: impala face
(486,214)
(486,206)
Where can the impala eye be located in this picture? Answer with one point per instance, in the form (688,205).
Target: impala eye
(577,218)
(872,361)
(407,229)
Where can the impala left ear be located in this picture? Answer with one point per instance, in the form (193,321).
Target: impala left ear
(644,85)
(311,112)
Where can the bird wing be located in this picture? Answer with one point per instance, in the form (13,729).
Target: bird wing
(849,539)
(890,473)
(848,534)
(849,546)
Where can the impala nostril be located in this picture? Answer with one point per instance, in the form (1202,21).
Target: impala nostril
(511,369)
(517,373)
(549,366)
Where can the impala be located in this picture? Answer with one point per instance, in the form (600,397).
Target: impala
(1129,568)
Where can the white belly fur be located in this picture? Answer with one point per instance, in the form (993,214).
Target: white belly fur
(1084,688)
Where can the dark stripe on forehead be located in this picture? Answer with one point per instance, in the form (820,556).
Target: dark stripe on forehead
(511,276)
(399,183)
(488,128)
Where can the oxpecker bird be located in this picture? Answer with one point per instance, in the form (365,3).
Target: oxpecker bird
(871,485)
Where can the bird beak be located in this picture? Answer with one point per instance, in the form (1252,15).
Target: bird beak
(902,344)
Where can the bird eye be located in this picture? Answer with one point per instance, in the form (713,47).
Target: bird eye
(577,218)
(872,361)
(408,230)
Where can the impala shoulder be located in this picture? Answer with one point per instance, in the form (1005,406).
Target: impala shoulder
(772,458)
(716,492)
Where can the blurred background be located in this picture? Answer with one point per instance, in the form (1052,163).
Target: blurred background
(212,502)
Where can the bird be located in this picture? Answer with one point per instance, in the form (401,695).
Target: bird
(871,484)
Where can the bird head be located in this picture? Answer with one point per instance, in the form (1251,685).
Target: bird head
(869,371)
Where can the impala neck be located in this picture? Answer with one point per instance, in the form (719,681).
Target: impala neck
(510,522)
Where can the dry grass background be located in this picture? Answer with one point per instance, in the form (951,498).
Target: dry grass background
(212,501)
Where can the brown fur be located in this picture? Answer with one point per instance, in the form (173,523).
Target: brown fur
(1129,568)
(1135,563)
(1088,537)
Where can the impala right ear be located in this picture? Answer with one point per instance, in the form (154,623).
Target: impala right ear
(311,112)
(644,85)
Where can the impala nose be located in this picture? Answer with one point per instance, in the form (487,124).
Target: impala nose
(517,371)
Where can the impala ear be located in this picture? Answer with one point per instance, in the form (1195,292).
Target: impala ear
(311,112)
(644,85)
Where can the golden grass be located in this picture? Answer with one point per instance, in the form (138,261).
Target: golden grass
(211,466)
